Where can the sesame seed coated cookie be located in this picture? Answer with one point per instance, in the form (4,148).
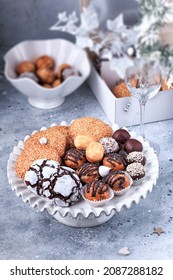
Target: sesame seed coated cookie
(90,126)
(54,137)
(30,154)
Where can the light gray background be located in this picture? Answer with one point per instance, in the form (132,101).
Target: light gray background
(31,19)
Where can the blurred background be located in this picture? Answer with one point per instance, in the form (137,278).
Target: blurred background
(31,19)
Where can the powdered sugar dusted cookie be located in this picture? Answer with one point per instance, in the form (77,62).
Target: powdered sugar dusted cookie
(58,183)
(41,169)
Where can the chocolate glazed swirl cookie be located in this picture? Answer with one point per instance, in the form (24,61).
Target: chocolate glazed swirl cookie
(97,190)
(117,180)
(88,172)
(114,161)
(74,158)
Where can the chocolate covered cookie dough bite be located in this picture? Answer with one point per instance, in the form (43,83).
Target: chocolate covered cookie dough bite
(114,161)
(119,181)
(88,172)
(74,158)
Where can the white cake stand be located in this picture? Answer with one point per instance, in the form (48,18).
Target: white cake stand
(82,214)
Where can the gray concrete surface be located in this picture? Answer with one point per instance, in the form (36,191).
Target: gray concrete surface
(26,233)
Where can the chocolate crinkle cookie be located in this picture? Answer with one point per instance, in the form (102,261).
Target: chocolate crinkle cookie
(58,183)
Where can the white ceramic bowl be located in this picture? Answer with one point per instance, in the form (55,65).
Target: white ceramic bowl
(61,51)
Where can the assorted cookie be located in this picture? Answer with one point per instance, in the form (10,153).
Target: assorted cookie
(136,157)
(74,158)
(30,154)
(43,71)
(97,193)
(133,145)
(89,126)
(120,90)
(50,138)
(87,157)
(96,190)
(119,181)
(109,144)
(114,161)
(58,183)
(88,172)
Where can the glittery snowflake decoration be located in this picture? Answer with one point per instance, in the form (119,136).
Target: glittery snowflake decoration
(121,43)
(154,15)
(89,23)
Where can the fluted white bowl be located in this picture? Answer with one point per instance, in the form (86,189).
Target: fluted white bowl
(62,51)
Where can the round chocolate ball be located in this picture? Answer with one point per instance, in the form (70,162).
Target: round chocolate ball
(121,135)
(133,145)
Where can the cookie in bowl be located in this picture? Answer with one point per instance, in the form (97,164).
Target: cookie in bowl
(42,58)
(25,67)
(45,61)
(65,71)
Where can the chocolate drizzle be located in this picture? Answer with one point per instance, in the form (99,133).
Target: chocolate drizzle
(74,155)
(96,187)
(88,169)
(61,174)
(38,170)
(116,179)
(115,160)
(47,186)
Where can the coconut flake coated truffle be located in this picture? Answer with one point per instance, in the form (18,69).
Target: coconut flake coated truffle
(136,157)
(58,183)
(109,144)
(137,172)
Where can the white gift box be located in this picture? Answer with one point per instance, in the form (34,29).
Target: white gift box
(125,111)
